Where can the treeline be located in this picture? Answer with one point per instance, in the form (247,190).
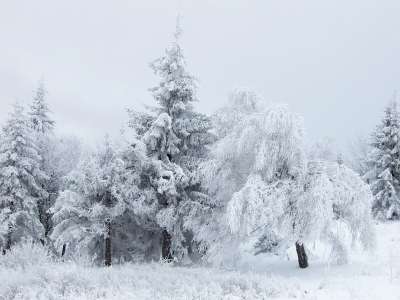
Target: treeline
(183,186)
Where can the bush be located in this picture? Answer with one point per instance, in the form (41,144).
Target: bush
(25,254)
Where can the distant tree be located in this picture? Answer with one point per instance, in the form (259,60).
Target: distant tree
(357,158)
(39,113)
(65,154)
(20,178)
(323,149)
(43,127)
(384,161)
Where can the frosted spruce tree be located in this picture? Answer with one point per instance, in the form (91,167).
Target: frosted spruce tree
(43,127)
(39,113)
(384,161)
(176,138)
(20,182)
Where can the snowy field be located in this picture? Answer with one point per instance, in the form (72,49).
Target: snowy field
(376,276)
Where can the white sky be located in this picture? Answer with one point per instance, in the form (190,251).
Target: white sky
(335,62)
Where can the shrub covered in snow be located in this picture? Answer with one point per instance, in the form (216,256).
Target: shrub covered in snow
(27,254)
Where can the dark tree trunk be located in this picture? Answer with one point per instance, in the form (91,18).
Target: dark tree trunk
(9,231)
(166,246)
(47,217)
(42,211)
(107,252)
(64,247)
(301,255)
(9,237)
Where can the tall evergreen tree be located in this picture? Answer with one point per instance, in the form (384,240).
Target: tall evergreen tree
(39,114)
(20,177)
(175,95)
(43,127)
(176,136)
(384,160)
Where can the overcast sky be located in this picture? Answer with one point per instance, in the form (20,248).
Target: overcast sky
(334,62)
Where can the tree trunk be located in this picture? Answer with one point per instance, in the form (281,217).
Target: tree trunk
(64,247)
(166,246)
(9,231)
(41,210)
(107,252)
(47,217)
(301,255)
(8,239)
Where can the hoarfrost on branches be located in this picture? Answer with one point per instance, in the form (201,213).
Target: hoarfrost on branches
(267,195)
(176,139)
(384,162)
(20,178)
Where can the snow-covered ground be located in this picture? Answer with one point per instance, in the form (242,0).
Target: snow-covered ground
(375,276)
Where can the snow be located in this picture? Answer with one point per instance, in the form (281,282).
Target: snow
(30,274)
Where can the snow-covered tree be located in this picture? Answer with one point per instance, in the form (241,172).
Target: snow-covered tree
(39,113)
(176,138)
(259,152)
(43,127)
(233,155)
(267,196)
(334,204)
(65,154)
(357,156)
(188,132)
(104,213)
(323,149)
(384,160)
(20,178)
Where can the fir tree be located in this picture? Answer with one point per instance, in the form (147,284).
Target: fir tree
(384,159)
(175,95)
(39,114)
(176,136)
(43,127)
(20,177)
